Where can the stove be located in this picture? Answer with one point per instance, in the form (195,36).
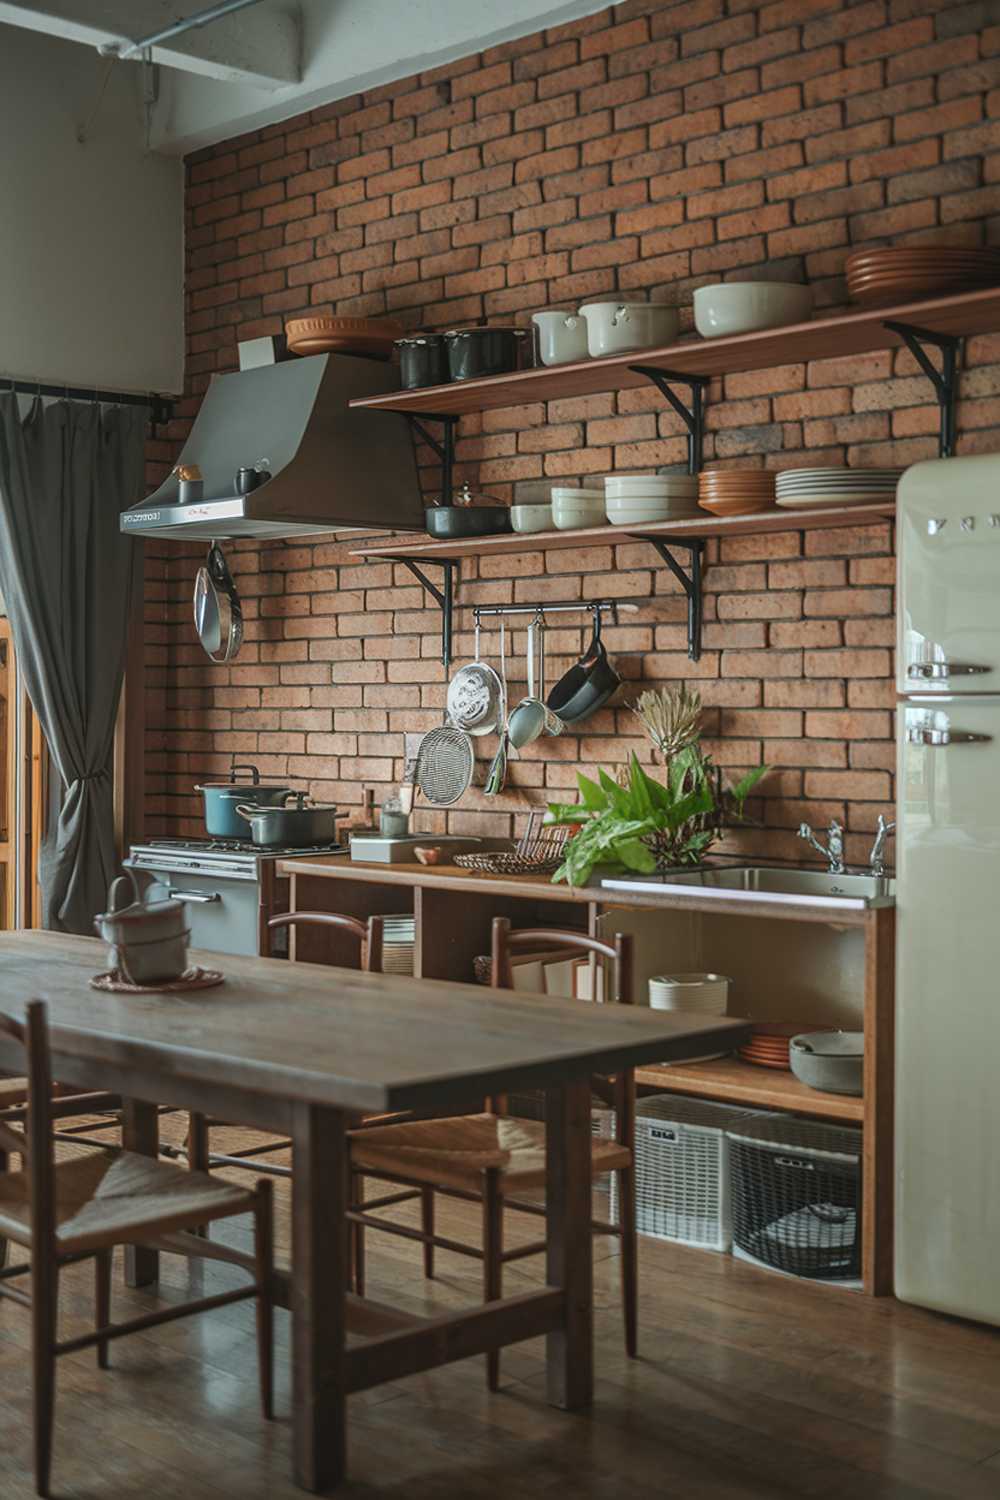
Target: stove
(229,886)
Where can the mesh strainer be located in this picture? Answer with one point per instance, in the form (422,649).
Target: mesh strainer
(444,765)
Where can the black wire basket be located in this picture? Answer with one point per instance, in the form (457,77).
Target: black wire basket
(796,1196)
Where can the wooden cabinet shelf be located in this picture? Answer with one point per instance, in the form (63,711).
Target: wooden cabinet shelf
(796,343)
(779,519)
(736,1082)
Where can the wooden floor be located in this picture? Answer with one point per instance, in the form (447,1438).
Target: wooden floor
(749,1387)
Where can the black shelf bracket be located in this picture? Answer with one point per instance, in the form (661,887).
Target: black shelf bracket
(690,581)
(691,413)
(444,597)
(443,447)
(944,381)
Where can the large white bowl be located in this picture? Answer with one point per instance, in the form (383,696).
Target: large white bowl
(615,327)
(528,518)
(570,515)
(731,307)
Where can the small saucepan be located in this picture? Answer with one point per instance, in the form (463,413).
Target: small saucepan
(588,685)
(293,827)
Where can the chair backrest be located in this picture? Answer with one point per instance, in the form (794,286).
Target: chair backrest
(369,934)
(35,1144)
(619,1092)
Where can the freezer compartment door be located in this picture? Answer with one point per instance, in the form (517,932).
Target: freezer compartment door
(948,1007)
(949,577)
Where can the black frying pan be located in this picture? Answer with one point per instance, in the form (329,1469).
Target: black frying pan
(588,685)
(218,617)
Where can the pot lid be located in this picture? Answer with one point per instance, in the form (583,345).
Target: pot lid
(454,333)
(418,339)
(831,1043)
(467,497)
(240,788)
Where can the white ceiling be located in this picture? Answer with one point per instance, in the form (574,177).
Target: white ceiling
(280,58)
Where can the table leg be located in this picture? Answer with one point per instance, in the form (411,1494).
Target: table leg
(569,1351)
(319,1281)
(141,1133)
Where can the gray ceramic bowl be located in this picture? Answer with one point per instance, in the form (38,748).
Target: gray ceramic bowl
(829,1060)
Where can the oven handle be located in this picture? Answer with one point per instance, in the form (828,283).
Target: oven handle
(197,898)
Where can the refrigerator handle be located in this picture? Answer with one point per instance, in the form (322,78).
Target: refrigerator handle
(938,737)
(925,671)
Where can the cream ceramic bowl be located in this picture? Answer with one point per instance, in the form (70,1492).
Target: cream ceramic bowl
(528,518)
(733,307)
(614,327)
(572,509)
(562,337)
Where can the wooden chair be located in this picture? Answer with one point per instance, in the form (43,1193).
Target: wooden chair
(369,936)
(71,1210)
(493,1156)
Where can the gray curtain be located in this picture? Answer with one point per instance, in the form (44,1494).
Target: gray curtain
(66,575)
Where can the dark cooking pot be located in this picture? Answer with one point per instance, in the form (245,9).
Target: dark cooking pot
(473,352)
(422,360)
(470,515)
(222,797)
(305,823)
(588,685)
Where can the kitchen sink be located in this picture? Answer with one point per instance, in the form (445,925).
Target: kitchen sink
(764,883)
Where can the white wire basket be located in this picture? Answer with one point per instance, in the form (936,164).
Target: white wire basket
(682,1170)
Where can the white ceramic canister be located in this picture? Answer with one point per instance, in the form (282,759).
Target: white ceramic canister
(562,337)
(615,327)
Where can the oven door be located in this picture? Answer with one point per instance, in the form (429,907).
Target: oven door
(223,913)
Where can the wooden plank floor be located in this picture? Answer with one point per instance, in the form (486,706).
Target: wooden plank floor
(749,1387)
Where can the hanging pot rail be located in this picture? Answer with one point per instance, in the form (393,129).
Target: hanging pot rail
(580,607)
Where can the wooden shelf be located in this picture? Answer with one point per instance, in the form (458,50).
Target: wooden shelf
(797,343)
(779,519)
(737,1082)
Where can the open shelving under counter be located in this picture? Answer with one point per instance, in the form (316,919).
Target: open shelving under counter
(736,1082)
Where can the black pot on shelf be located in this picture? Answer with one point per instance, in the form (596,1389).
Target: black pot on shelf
(475,352)
(423,360)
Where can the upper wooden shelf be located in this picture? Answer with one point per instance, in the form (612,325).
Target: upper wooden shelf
(822,338)
(778,519)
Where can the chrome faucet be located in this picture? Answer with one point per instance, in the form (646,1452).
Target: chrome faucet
(834,853)
(876,860)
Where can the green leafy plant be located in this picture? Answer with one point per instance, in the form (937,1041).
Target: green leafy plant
(640,824)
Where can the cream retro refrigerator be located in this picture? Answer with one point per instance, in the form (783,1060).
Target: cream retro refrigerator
(948,889)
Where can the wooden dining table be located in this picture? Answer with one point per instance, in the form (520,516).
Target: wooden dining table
(302,1049)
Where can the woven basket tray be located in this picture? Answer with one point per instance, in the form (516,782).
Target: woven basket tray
(540,857)
(192,979)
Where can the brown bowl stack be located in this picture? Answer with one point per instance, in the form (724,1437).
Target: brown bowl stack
(908,272)
(736,492)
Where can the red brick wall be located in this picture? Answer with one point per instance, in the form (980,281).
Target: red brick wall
(647,149)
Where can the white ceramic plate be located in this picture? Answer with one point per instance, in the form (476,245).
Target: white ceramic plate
(804,501)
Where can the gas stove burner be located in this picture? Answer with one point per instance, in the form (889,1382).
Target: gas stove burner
(243,846)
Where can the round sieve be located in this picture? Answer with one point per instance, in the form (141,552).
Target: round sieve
(474,695)
(444,765)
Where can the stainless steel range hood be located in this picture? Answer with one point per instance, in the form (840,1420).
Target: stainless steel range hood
(331,468)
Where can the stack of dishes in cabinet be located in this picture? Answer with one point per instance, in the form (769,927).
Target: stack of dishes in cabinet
(801,488)
(770,1043)
(736,492)
(399,941)
(636,499)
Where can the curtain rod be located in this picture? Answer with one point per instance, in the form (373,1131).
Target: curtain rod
(161,408)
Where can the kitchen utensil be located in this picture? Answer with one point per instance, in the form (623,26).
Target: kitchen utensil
(829,1060)
(218,617)
(475,352)
(496,776)
(614,327)
(532,717)
(372,338)
(467,515)
(588,685)
(221,798)
(248,479)
(444,765)
(531,518)
(730,307)
(901,272)
(422,360)
(147,942)
(562,337)
(305,823)
(474,693)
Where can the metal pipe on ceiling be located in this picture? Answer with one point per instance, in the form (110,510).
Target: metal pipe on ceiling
(127,49)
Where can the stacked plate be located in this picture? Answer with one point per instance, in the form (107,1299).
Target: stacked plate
(398,942)
(800,488)
(696,994)
(769,1044)
(906,272)
(736,492)
(631,499)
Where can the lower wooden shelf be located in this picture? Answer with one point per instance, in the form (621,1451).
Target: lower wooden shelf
(737,1082)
